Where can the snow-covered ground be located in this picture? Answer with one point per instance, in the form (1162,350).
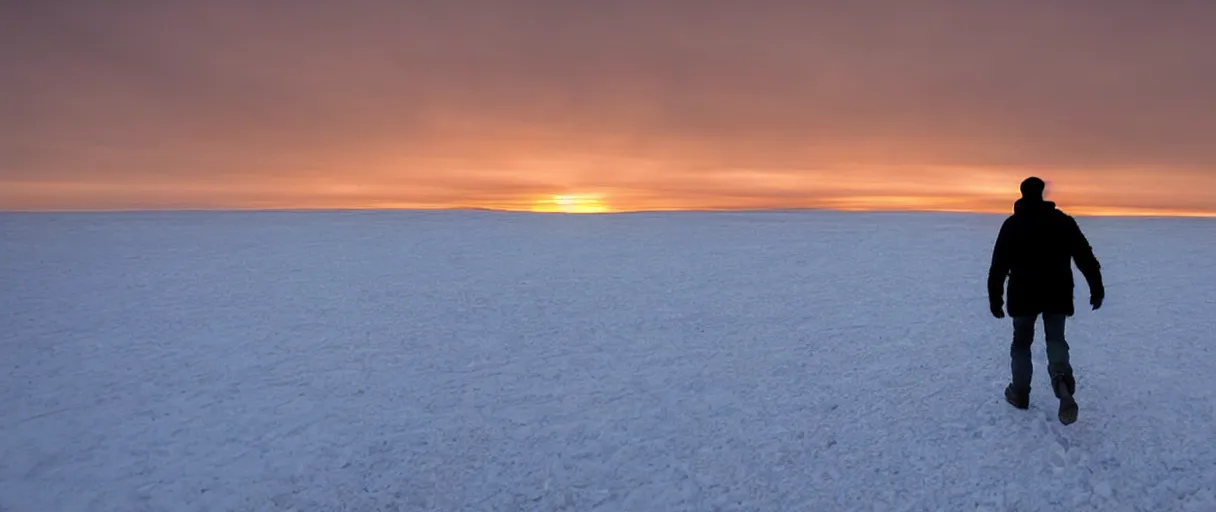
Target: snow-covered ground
(488,361)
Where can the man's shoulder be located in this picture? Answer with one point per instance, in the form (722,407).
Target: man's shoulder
(1063,216)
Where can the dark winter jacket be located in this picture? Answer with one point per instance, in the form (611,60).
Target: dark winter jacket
(1035,250)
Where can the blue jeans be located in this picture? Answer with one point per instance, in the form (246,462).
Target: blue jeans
(1058,364)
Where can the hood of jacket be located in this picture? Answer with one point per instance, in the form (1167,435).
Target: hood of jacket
(1033,206)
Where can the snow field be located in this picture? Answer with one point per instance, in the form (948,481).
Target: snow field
(489,361)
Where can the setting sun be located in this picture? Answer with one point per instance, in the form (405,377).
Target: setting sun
(571,204)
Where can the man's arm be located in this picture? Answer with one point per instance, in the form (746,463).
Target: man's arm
(1087,263)
(999,269)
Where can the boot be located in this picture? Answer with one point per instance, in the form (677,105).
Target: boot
(1019,398)
(1064,386)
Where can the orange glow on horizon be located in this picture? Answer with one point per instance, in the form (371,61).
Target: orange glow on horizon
(856,205)
(973,191)
(571,203)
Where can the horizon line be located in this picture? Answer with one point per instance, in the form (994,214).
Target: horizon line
(1082,211)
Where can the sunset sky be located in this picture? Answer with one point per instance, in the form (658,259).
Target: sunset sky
(622,104)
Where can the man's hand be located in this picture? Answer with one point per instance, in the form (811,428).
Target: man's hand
(997,310)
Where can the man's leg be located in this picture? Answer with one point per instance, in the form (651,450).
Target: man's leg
(1020,363)
(1059,367)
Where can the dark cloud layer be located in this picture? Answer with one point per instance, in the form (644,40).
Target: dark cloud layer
(451,101)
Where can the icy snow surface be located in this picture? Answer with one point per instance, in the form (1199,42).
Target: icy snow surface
(486,361)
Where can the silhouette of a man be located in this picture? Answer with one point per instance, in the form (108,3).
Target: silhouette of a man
(1035,251)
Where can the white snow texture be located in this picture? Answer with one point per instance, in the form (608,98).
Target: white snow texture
(478,361)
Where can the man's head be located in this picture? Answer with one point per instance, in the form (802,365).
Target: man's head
(1032,188)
